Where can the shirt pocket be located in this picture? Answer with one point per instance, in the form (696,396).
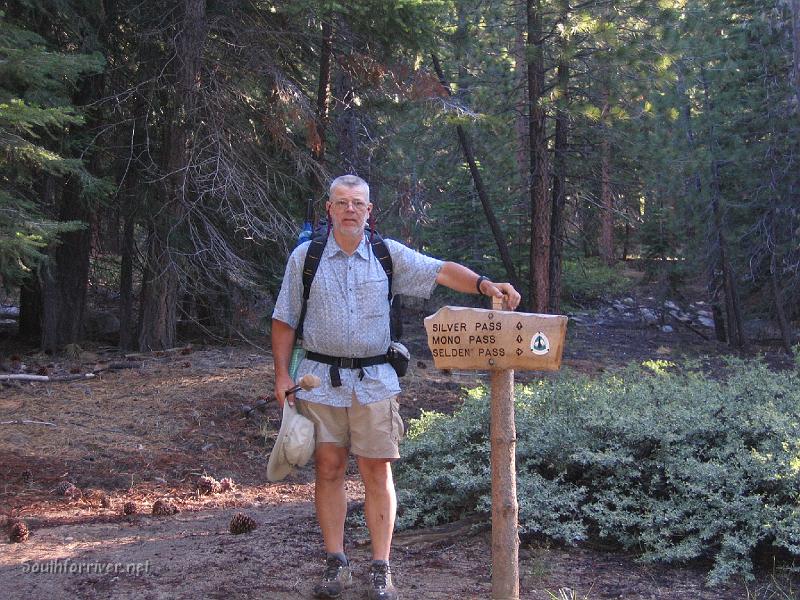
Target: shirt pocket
(372,296)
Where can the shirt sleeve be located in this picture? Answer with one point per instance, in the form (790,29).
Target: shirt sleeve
(290,298)
(414,273)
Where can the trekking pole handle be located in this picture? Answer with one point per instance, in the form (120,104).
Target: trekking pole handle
(307,382)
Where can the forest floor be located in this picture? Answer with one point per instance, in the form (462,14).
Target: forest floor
(148,432)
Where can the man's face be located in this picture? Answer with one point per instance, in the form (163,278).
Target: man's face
(349,210)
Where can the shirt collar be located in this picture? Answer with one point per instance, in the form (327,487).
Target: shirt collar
(331,248)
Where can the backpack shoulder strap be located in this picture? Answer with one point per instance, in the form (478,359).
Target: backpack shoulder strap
(310,266)
(382,253)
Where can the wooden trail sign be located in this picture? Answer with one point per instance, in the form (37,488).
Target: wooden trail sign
(499,340)
(477,338)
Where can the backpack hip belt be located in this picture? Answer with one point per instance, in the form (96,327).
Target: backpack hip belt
(343,362)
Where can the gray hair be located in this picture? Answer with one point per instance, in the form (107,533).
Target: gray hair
(350,181)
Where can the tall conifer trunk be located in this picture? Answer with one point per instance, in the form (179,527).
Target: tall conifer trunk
(539,184)
(559,176)
(795,8)
(733,312)
(320,122)
(160,294)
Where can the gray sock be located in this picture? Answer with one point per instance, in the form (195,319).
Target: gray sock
(340,556)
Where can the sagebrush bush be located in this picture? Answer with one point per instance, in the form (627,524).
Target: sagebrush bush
(671,464)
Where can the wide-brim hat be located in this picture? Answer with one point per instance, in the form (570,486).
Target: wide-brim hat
(294,445)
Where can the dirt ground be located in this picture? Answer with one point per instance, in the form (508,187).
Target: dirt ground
(148,431)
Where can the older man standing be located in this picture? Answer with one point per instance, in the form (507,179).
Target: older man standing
(346,334)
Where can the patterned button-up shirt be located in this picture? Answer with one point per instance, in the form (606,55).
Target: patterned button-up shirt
(348,314)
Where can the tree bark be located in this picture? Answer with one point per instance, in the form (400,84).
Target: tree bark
(735,326)
(466,147)
(65,278)
(30,309)
(795,8)
(559,177)
(606,242)
(521,75)
(780,313)
(126,333)
(160,295)
(320,122)
(539,184)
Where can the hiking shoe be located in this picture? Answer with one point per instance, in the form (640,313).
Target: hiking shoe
(335,578)
(380,579)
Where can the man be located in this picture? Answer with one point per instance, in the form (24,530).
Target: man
(355,409)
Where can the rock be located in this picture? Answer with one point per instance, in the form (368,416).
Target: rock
(680,316)
(246,409)
(629,301)
(9,312)
(705,321)
(619,306)
(667,329)
(669,304)
(648,315)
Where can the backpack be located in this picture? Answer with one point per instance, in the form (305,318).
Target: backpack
(311,264)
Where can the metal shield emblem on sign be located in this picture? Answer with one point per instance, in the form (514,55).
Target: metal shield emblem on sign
(540,344)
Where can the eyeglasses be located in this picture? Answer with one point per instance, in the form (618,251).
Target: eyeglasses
(358,205)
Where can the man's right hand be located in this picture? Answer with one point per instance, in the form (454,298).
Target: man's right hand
(283,382)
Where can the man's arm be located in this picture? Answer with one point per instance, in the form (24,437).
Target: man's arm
(461,279)
(282,344)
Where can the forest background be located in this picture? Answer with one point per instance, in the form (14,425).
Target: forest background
(166,152)
(158,162)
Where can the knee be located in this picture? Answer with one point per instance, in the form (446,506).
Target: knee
(330,469)
(377,474)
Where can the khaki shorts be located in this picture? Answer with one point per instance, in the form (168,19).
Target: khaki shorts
(370,430)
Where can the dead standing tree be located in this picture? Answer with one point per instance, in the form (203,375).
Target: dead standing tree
(466,147)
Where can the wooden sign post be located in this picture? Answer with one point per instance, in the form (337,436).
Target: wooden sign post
(499,340)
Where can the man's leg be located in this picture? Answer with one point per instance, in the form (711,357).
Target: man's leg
(329,495)
(380,503)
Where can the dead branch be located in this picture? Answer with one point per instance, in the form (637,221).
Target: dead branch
(159,353)
(58,378)
(116,366)
(27,422)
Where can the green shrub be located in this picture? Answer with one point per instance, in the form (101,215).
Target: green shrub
(672,465)
(590,278)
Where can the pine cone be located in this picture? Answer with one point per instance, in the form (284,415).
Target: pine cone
(208,485)
(164,508)
(227,484)
(129,508)
(19,532)
(241,523)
